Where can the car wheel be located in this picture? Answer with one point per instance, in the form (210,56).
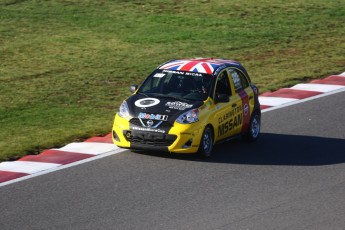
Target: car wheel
(254,127)
(206,143)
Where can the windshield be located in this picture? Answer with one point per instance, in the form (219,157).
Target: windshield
(178,84)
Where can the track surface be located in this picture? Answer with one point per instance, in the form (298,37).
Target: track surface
(293,177)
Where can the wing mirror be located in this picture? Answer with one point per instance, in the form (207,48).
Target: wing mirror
(133,88)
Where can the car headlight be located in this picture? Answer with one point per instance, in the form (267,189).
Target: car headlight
(124,111)
(188,117)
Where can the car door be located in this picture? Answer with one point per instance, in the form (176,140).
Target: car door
(228,107)
(244,95)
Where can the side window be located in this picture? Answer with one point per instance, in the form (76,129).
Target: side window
(223,84)
(244,80)
(240,81)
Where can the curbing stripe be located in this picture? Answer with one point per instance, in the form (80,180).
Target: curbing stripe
(105,139)
(28,167)
(275,101)
(338,77)
(291,93)
(93,148)
(323,88)
(331,80)
(56,156)
(262,107)
(6,176)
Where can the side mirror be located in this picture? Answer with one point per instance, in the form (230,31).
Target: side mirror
(133,88)
(222,97)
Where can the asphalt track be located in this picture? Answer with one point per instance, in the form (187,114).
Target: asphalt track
(293,177)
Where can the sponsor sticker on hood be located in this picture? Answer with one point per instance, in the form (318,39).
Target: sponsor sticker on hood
(152,116)
(178,105)
(146,102)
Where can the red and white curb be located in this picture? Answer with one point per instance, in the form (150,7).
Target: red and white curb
(314,89)
(99,147)
(56,159)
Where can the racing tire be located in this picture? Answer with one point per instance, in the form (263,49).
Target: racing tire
(206,143)
(253,131)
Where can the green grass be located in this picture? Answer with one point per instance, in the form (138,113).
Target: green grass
(65,65)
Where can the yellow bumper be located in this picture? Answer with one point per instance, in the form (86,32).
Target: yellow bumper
(185,138)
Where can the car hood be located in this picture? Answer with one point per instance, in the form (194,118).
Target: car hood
(159,108)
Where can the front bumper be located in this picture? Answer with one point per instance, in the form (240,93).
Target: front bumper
(180,138)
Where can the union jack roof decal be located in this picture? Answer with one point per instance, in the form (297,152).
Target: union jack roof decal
(199,65)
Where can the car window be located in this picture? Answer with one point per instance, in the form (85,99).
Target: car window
(223,84)
(152,84)
(179,84)
(244,80)
(239,79)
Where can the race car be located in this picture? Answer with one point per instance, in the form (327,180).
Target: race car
(187,106)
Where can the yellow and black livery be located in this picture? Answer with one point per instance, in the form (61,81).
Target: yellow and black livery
(187,106)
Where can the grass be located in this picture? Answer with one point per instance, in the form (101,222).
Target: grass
(65,65)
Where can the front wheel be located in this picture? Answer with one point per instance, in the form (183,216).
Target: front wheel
(254,127)
(206,144)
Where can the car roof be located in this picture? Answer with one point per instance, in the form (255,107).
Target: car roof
(200,65)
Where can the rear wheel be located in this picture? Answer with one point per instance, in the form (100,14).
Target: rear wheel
(254,127)
(206,143)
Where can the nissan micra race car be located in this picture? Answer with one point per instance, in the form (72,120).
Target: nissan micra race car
(187,106)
